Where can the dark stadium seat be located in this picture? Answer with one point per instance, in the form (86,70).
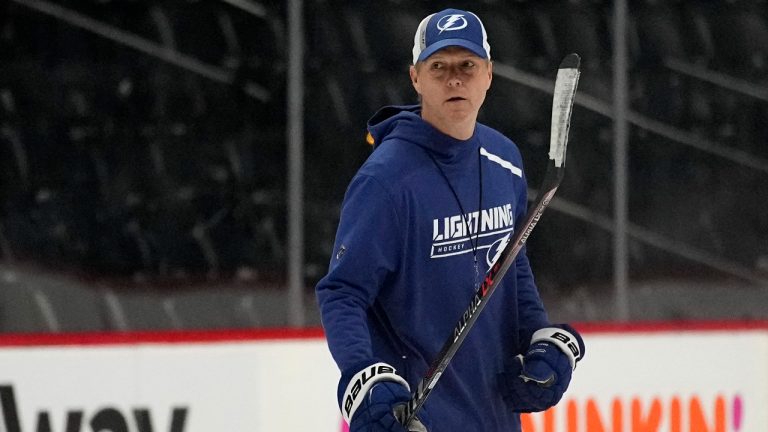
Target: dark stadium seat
(194,30)
(386,33)
(138,310)
(565,27)
(327,37)
(268,307)
(662,95)
(32,301)
(512,36)
(257,51)
(132,16)
(119,165)
(510,105)
(658,33)
(20,309)
(739,31)
(211,308)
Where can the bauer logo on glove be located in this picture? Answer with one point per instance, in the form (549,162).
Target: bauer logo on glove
(373,398)
(566,341)
(365,380)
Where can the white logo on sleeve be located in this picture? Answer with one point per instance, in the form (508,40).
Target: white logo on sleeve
(452,22)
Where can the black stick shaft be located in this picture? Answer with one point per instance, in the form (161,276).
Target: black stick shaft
(491,281)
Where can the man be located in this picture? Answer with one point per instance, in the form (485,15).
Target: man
(422,221)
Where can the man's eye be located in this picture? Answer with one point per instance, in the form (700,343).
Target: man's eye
(437,65)
(468,64)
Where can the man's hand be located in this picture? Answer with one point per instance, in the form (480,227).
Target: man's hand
(538,380)
(377,412)
(372,399)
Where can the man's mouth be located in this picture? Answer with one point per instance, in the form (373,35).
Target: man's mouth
(456,99)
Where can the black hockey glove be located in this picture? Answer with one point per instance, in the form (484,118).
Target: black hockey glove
(372,398)
(539,379)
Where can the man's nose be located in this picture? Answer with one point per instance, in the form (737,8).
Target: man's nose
(453,78)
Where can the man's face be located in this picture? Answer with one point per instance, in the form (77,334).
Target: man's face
(452,84)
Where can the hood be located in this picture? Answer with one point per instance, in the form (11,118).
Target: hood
(404,123)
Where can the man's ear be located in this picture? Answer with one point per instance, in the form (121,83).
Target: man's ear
(414,79)
(490,74)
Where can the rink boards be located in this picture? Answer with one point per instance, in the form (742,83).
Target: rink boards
(656,377)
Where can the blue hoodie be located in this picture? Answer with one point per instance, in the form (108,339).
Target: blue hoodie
(402,271)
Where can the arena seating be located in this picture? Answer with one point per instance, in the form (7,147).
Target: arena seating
(117,165)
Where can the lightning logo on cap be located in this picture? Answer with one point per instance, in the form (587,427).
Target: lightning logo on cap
(451,22)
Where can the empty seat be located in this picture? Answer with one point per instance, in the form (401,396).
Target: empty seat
(132,310)
(659,31)
(387,33)
(268,306)
(740,35)
(513,38)
(196,32)
(36,302)
(207,309)
(20,309)
(328,40)
(661,95)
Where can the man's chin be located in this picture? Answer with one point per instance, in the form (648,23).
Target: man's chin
(459,114)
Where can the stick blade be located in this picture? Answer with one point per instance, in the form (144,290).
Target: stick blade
(562,106)
(571,61)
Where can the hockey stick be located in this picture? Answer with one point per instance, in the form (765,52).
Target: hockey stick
(562,105)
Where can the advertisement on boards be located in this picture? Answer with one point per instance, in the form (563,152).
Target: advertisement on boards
(182,386)
(712,380)
(708,379)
